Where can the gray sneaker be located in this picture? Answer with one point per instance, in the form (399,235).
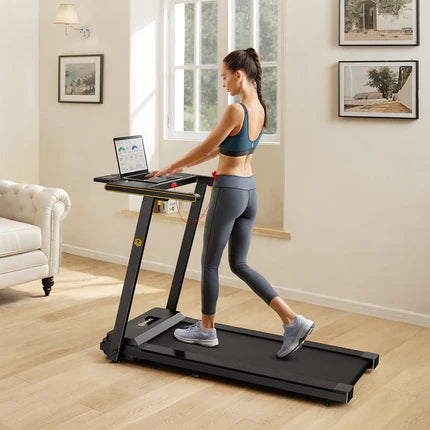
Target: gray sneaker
(295,335)
(194,334)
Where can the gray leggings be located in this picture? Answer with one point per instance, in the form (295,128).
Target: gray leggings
(230,217)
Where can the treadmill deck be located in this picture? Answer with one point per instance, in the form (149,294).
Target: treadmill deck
(316,369)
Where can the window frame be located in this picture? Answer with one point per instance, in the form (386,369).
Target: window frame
(225,43)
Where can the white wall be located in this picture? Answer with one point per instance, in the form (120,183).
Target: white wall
(356,190)
(19,94)
(76,139)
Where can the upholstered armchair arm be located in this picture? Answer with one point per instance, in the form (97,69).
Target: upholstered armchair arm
(53,205)
(37,205)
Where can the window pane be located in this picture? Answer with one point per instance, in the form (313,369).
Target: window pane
(208,99)
(184,86)
(209,32)
(268,30)
(242,19)
(189,101)
(268,89)
(184,34)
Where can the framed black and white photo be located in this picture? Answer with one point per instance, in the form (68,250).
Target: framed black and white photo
(378,89)
(80,78)
(378,22)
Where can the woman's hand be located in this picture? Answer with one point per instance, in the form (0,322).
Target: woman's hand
(165,171)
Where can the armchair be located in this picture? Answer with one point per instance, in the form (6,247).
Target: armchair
(30,233)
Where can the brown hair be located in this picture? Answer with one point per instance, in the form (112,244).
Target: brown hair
(248,61)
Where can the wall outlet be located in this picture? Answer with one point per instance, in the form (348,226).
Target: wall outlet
(168,207)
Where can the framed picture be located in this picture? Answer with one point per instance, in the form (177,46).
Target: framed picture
(378,22)
(80,78)
(378,89)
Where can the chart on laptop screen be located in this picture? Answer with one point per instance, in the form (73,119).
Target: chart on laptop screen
(131,155)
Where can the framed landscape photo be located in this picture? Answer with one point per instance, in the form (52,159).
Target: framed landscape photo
(80,78)
(378,22)
(378,89)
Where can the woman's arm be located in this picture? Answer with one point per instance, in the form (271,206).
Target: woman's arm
(206,158)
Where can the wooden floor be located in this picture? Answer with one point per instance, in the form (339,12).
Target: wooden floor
(54,376)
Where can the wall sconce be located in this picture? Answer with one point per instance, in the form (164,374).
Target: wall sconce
(67,15)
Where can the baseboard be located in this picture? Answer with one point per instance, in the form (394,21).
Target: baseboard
(391,314)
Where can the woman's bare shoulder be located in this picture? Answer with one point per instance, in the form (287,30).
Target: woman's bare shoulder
(234,111)
(235,107)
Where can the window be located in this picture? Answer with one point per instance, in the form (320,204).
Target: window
(201,33)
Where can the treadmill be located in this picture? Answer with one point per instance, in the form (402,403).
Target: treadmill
(324,372)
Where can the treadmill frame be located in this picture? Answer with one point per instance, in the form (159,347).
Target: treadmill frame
(128,340)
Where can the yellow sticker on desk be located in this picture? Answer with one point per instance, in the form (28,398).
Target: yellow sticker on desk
(138,242)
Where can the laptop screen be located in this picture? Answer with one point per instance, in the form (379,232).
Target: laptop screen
(130,154)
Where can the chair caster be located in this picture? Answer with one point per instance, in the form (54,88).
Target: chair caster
(327,402)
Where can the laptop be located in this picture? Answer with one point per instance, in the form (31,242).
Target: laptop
(132,163)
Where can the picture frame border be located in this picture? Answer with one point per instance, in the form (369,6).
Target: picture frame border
(417,43)
(380,61)
(100,101)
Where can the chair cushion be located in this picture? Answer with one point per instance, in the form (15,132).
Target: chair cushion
(15,269)
(18,237)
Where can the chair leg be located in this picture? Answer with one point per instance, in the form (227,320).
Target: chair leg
(47,284)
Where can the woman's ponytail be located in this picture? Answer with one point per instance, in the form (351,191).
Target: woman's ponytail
(253,53)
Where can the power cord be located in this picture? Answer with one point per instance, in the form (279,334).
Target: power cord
(204,212)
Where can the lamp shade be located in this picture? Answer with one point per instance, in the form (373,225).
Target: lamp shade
(66,14)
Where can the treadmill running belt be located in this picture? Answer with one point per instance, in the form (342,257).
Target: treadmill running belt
(258,355)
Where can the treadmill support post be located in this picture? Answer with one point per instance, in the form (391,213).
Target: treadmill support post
(133,267)
(187,243)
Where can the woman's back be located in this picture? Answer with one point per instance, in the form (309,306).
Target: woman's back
(250,130)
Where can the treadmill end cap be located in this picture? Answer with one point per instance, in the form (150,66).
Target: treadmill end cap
(374,358)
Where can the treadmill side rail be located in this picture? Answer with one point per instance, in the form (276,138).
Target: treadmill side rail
(370,356)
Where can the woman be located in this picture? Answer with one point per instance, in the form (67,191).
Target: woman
(233,206)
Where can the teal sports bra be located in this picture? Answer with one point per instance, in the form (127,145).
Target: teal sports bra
(240,144)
